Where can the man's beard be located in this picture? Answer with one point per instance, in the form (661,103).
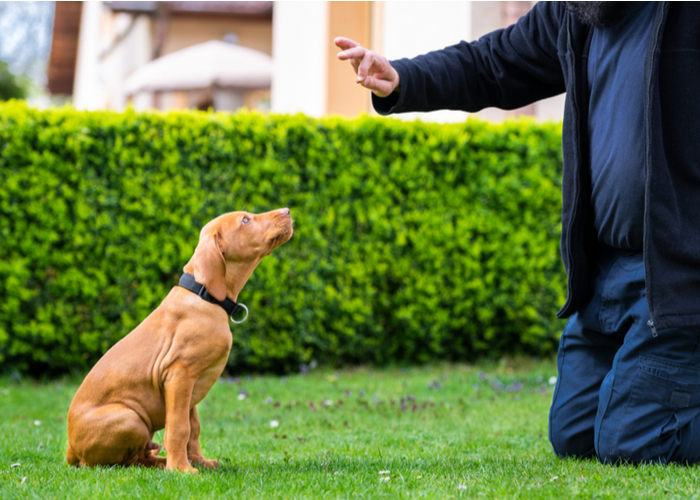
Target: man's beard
(595,14)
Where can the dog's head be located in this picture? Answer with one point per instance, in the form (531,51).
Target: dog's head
(231,245)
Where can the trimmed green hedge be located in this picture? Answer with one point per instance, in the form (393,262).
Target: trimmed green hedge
(413,241)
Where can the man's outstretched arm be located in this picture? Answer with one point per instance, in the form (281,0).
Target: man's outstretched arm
(507,68)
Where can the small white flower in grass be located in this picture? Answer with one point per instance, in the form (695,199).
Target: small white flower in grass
(385,478)
(274,424)
(241,397)
(328,402)
(37,423)
(15,465)
(381,472)
(462,487)
(552,380)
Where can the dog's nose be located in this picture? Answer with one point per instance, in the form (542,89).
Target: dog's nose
(286,211)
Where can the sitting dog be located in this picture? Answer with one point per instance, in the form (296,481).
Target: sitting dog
(154,377)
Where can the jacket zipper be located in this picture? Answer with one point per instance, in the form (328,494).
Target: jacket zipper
(653,328)
(577,166)
(650,63)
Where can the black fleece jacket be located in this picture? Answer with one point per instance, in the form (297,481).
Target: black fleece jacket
(544,54)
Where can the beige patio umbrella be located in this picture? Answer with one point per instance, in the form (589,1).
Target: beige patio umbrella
(210,64)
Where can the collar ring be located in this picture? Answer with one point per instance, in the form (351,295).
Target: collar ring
(244,318)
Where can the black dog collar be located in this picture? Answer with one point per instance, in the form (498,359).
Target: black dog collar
(188,282)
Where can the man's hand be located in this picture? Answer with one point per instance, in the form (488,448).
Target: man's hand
(373,71)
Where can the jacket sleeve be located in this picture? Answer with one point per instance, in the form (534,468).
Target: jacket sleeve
(508,69)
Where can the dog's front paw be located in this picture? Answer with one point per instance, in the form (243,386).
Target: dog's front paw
(189,470)
(210,464)
(182,468)
(207,464)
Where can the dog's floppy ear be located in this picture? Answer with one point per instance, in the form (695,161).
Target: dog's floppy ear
(210,265)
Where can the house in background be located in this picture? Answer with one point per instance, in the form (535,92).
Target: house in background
(114,43)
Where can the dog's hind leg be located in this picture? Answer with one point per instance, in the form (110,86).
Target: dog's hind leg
(149,456)
(108,435)
(72,458)
(152,447)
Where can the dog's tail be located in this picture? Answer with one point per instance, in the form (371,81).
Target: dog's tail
(72,458)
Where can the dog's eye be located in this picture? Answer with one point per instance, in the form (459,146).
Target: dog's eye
(245,220)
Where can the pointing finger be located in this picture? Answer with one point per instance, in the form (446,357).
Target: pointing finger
(352,53)
(345,43)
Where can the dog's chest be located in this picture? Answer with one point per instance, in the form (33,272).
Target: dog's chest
(206,380)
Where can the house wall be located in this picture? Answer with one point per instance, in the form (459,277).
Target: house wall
(110,47)
(352,20)
(183,31)
(117,61)
(87,92)
(299,59)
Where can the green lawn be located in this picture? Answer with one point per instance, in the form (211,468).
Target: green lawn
(440,431)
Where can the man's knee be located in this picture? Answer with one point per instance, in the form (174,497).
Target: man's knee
(636,444)
(568,442)
(611,453)
(629,452)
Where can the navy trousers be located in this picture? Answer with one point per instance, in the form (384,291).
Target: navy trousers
(625,392)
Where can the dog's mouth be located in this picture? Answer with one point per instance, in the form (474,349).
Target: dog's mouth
(281,230)
(283,233)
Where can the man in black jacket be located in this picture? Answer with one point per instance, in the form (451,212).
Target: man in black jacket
(629,357)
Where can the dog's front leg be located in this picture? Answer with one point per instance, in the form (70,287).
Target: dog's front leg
(194,452)
(178,391)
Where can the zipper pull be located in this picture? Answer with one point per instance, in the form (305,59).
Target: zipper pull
(653,328)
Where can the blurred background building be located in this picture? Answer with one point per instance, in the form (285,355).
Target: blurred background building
(276,56)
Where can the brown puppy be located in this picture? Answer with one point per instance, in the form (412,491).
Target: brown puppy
(154,377)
